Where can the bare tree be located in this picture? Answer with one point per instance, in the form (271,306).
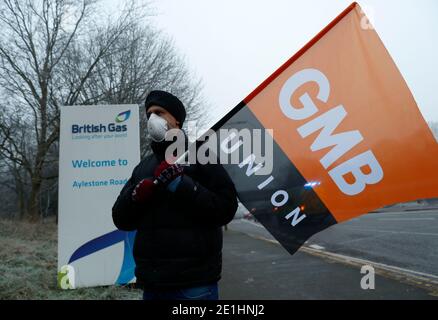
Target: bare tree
(15,144)
(61,52)
(142,59)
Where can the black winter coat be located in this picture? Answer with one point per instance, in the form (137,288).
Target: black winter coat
(179,236)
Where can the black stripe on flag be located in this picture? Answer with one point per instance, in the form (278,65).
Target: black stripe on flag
(286,179)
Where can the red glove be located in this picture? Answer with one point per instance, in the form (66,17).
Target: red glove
(165,173)
(144,190)
(162,166)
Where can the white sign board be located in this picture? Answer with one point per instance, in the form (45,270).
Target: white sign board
(99,148)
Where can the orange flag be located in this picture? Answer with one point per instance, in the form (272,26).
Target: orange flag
(354,92)
(344,118)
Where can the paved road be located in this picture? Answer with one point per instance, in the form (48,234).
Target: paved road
(403,239)
(407,240)
(255,269)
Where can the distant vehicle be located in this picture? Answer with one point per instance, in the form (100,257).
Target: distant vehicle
(241,212)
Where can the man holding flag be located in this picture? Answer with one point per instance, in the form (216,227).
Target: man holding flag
(348,137)
(178,213)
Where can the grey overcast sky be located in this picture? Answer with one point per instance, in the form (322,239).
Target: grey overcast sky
(233,45)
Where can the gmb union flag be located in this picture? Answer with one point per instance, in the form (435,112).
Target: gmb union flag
(348,137)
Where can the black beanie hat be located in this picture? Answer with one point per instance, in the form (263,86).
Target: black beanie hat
(167,101)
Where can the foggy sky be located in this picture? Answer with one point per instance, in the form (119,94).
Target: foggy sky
(233,45)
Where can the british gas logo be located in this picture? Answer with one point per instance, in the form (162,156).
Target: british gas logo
(123,116)
(113,127)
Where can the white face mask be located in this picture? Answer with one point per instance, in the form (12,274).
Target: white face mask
(157,127)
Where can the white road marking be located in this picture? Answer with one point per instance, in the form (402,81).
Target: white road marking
(393,232)
(376,264)
(405,219)
(317,247)
(363,238)
(405,213)
(253,223)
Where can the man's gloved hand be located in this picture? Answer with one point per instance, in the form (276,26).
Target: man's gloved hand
(168,175)
(144,190)
(162,166)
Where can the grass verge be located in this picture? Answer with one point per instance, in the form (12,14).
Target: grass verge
(28,266)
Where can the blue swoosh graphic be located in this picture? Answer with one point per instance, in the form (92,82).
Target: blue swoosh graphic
(128,265)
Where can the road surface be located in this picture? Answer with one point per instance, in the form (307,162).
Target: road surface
(255,269)
(402,245)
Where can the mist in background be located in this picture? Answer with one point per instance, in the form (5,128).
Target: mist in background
(235,45)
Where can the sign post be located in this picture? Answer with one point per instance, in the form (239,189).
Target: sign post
(99,148)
